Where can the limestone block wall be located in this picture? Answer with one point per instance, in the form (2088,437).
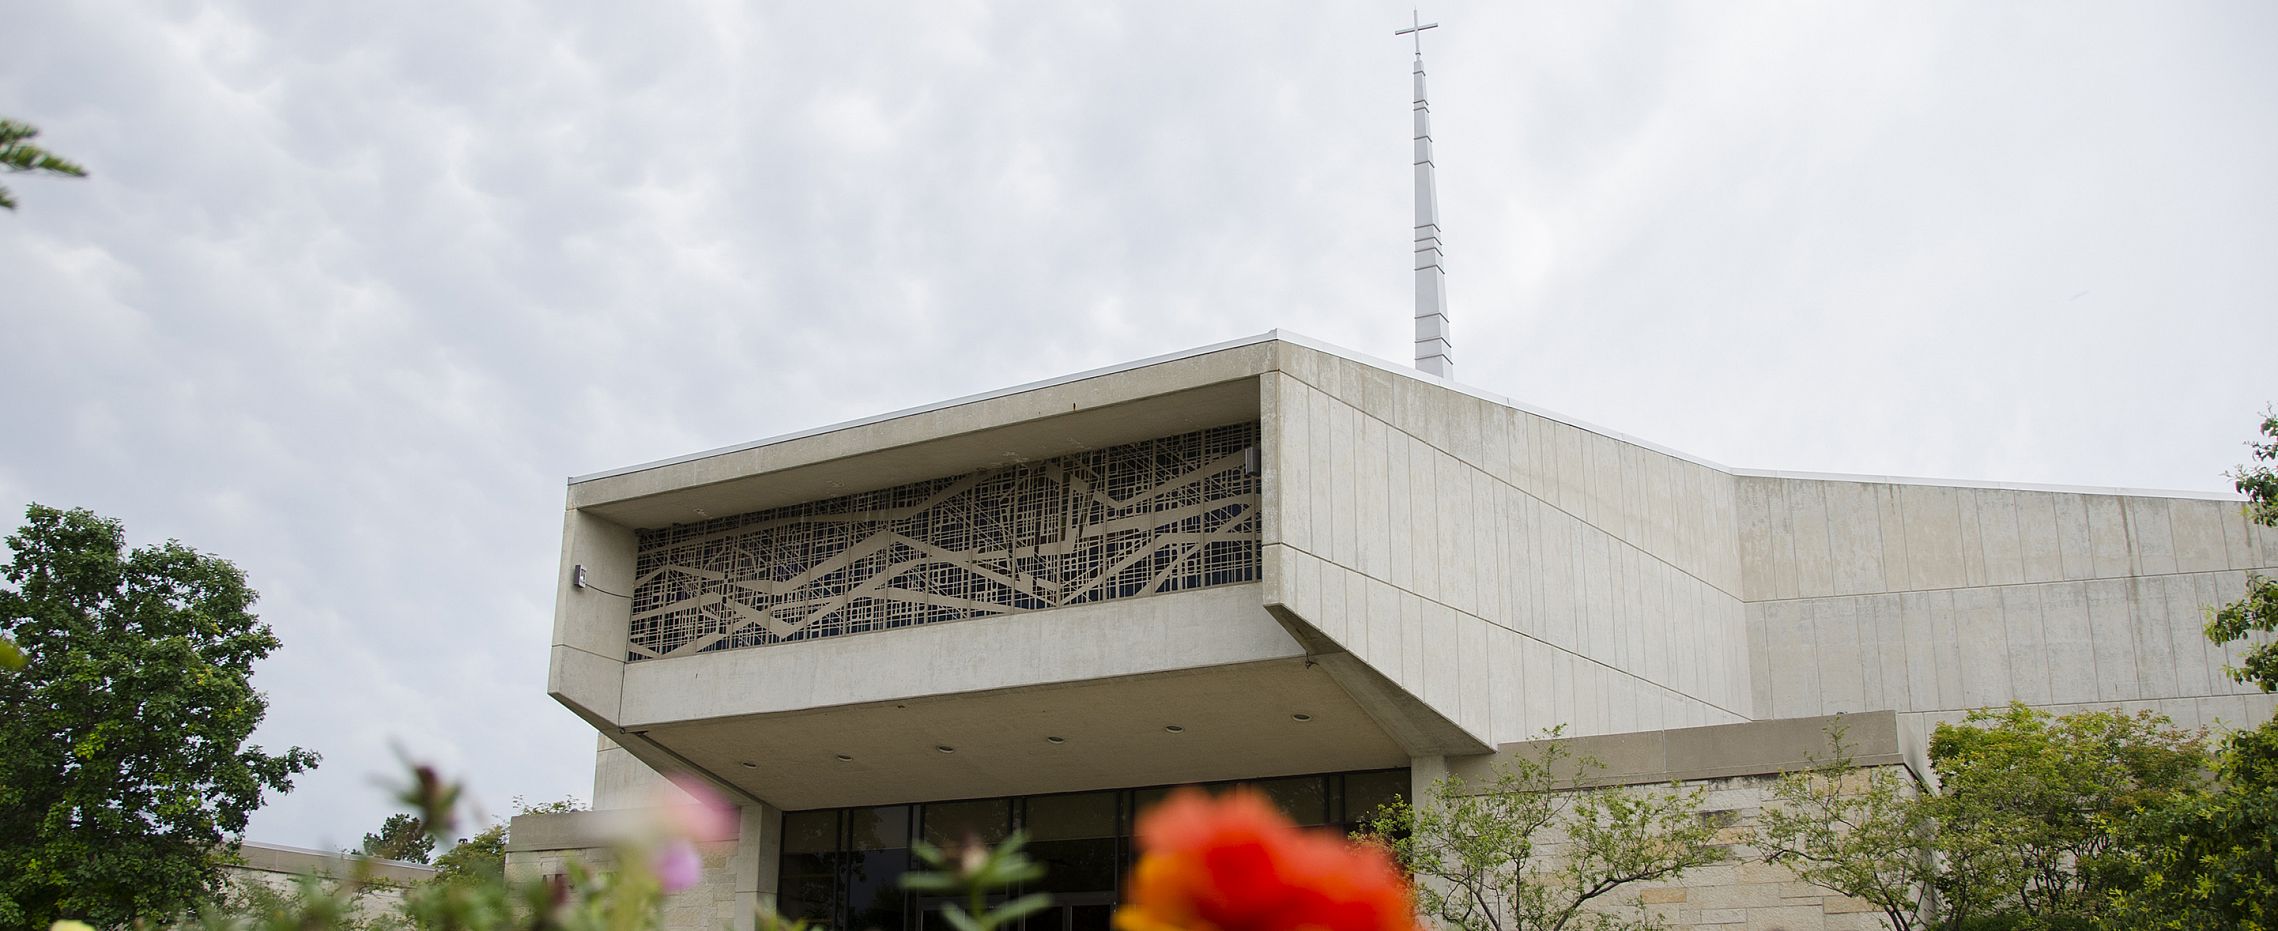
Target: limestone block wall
(1514,571)
(710,905)
(1744,893)
(1933,600)
(278,869)
(373,901)
(1736,766)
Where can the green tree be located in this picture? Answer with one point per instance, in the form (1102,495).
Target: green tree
(124,764)
(481,858)
(2256,612)
(1858,832)
(19,154)
(627,896)
(2209,858)
(2029,806)
(1537,848)
(401,837)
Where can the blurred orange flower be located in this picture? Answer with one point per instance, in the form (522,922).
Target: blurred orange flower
(1235,864)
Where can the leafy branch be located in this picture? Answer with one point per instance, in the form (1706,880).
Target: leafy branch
(18,154)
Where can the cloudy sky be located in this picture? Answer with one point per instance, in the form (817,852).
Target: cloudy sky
(353,287)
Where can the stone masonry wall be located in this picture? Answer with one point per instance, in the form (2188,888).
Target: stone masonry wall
(707,906)
(1736,766)
(1744,893)
(372,900)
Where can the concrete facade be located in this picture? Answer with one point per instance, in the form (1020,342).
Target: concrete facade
(1444,574)
(1934,600)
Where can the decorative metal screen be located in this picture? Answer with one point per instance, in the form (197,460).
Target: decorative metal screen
(1159,516)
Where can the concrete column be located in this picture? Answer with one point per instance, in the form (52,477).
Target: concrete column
(759,855)
(1425,772)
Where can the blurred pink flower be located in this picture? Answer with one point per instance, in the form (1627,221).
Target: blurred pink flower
(678,866)
(710,817)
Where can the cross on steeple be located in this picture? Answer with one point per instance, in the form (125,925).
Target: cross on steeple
(1435,345)
(1417,29)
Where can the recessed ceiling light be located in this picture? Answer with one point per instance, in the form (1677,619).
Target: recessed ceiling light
(1175,729)
(945,748)
(1056,740)
(750,765)
(1301,717)
(843,758)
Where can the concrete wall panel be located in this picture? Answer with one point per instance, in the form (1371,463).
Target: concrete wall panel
(2046,597)
(1507,538)
(2049,644)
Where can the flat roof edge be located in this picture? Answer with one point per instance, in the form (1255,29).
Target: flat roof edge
(2005,486)
(1053,382)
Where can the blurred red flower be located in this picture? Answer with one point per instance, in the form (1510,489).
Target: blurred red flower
(1234,863)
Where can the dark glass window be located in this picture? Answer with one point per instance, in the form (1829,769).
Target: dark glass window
(1145,800)
(1076,838)
(1364,793)
(948,824)
(842,868)
(878,841)
(809,884)
(881,828)
(1072,817)
(810,832)
(1305,799)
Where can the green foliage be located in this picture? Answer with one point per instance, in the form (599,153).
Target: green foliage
(2209,858)
(2259,481)
(1858,832)
(581,899)
(18,154)
(475,894)
(977,872)
(123,755)
(2028,804)
(2206,859)
(481,858)
(2257,612)
(560,806)
(1535,848)
(347,904)
(401,837)
(2029,807)
(2241,620)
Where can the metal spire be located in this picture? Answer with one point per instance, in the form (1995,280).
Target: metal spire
(1435,352)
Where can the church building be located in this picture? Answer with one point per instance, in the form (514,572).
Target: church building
(1277,562)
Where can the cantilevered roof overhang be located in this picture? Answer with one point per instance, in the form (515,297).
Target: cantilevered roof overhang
(1108,678)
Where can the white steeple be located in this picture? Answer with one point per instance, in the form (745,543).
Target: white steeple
(1435,349)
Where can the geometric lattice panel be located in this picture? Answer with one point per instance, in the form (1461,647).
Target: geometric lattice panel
(1157,516)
